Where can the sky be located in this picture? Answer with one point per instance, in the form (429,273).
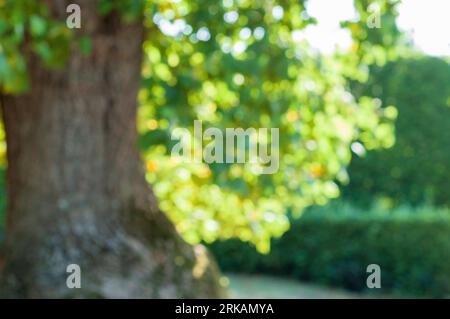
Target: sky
(428,22)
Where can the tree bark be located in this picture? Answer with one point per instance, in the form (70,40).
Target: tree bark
(76,187)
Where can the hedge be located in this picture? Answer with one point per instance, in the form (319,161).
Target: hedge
(411,247)
(415,170)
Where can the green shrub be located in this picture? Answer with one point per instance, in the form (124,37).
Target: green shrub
(415,170)
(412,248)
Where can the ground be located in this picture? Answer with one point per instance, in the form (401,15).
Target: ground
(259,286)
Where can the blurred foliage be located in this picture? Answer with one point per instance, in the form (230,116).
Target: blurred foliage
(333,245)
(238,64)
(49,39)
(416,169)
(232,63)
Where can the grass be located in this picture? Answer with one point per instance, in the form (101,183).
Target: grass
(269,287)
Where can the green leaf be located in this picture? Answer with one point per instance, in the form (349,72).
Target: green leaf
(38,26)
(105,6)
(85,45)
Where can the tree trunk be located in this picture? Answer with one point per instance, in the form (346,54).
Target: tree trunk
(76,187)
